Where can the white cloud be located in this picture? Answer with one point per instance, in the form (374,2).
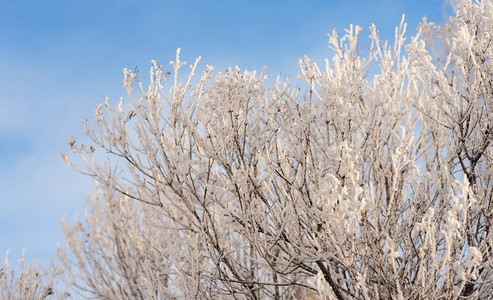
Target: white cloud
(452,3)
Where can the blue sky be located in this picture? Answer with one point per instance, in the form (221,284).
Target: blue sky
(59,59)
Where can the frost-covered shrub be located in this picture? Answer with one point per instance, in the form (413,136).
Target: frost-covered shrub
(373,180)
(30,281)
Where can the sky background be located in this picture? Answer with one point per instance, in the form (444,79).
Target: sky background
(59,59)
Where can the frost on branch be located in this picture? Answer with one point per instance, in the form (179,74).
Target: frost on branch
(31,282)
(371,181)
